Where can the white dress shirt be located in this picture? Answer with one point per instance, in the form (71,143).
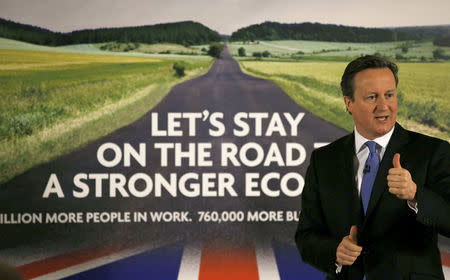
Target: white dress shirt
(362,153)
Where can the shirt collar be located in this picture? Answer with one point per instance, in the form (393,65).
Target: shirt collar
(381,141)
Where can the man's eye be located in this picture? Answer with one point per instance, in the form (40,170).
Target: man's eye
(371,97)
(389,95)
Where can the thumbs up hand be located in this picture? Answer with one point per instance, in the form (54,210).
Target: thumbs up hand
(348,250)
(400,182)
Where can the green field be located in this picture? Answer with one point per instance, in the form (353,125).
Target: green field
(162,48)
(288,48)
(54,102)
(424,91)
(171,50)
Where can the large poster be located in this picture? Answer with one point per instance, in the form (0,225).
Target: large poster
(117,166)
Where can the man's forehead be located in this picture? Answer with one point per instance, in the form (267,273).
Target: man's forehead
(375,71)
(374,75)
(375,80)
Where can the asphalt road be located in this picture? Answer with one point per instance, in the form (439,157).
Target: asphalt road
(225,88)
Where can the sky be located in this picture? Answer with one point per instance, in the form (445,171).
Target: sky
(224,16)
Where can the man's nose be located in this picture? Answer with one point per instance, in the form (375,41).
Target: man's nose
(382,103)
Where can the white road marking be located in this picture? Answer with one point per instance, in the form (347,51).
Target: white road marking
(267,264)
(190,262)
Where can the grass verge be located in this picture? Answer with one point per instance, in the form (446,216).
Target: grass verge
(312,95)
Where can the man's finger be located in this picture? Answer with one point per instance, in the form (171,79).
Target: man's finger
(396,171)
(344,259)
(396,191)
(395,178)
(343,256)
(397,184)
(354,233)
(353,248)
(349,245)
(396,161)
(350,253)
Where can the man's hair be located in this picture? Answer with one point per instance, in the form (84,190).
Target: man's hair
(360,64)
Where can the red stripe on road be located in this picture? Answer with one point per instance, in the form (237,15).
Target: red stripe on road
(53,264)
(445,258)
(223,263)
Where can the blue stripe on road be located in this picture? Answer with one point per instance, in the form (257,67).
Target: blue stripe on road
(290,264)
(160,264)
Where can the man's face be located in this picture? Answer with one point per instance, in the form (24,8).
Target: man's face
(374,108)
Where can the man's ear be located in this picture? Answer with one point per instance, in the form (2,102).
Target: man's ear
(348,104)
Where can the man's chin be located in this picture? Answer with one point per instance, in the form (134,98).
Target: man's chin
(375,130)
(384,129)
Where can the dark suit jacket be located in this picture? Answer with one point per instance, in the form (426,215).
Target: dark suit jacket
(397,243)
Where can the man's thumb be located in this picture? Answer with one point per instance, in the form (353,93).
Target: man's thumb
(396,161)
(353,233)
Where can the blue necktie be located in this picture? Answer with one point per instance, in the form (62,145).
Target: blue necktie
(370,172)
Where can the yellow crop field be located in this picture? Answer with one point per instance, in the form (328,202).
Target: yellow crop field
(422,82)
(329,72)
(19,59)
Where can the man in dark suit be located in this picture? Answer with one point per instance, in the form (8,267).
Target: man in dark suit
(374,201)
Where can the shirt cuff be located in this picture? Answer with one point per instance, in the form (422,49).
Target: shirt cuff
(338,268)
(413,206)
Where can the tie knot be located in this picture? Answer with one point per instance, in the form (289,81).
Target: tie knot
(371,145)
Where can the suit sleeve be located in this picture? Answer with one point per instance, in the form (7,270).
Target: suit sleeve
(315,244)
(433,199)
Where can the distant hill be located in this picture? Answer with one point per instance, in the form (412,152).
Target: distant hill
(440,34)
(319,32)
(28,33)
(185,33)
(432,31)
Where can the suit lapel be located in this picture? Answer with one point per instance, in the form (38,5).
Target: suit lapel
(347,178)
(398,139)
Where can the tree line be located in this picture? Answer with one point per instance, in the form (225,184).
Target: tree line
(184,33)
(192,33)
(320,32)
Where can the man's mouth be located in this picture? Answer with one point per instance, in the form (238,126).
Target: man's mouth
(382,118)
